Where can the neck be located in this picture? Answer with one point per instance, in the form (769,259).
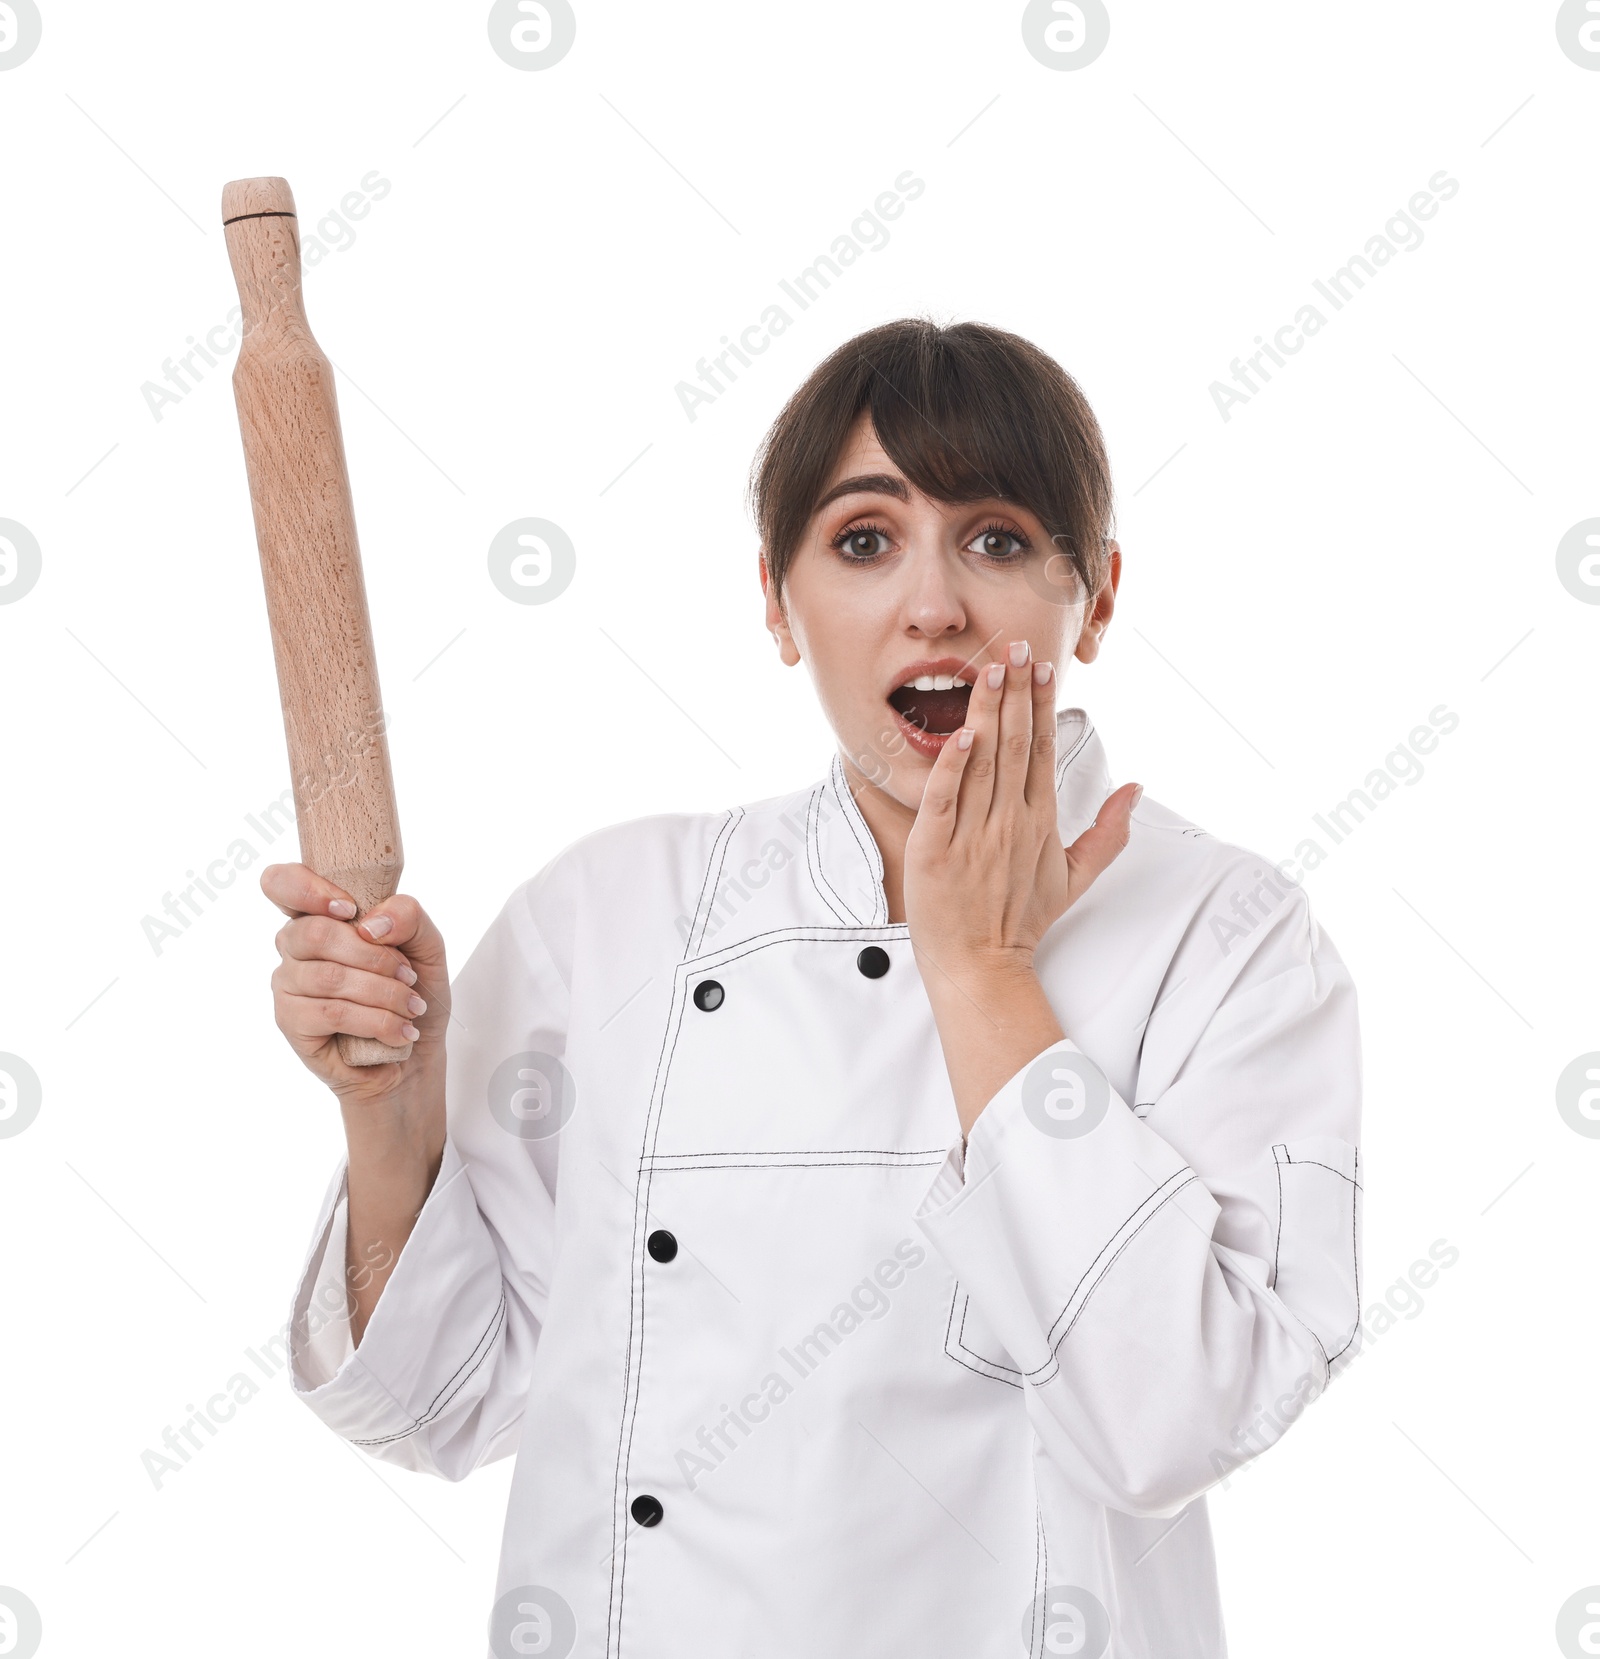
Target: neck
(890,822)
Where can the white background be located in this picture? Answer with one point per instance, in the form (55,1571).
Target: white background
(1365,540)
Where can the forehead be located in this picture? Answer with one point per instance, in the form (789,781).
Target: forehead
(863,465)
(861,452)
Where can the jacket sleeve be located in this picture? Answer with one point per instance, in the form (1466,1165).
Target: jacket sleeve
(439,1379)
(1170,1283)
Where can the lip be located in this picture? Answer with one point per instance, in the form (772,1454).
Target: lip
(928,744)
(936,665)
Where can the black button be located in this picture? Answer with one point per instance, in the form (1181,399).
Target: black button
(646,1510)
(707,995)
(662,1245)
(873,961)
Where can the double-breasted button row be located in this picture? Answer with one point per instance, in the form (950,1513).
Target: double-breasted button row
(873,963)
(647,1509)
(709,996)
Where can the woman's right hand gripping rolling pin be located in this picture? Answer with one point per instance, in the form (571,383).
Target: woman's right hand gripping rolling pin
(385,977)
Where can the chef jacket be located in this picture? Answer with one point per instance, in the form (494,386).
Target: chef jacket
(787,1369)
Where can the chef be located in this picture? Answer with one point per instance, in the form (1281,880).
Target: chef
(875,1216)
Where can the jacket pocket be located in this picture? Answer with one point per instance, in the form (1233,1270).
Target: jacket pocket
(1316,1264)
(969,1342)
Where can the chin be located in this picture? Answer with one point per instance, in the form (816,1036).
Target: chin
(900,774)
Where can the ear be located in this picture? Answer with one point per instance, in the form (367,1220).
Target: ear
(1105,602)
(777,623)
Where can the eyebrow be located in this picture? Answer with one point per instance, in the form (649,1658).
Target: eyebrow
(870,483)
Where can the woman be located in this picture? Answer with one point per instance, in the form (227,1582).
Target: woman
(876,1215)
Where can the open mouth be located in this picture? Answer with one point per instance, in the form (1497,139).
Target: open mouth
(933,703)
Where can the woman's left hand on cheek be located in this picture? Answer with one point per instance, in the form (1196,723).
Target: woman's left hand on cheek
(985,872)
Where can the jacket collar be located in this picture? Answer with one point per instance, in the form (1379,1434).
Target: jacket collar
(843,859)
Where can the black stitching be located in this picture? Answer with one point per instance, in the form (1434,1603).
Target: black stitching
(1277,1243)
(641,1210)
(1117,1234)
(706,902)
(482,1340)
(1038,1588)
(805,934)
(989,1376)
(819,879)
(632,1366)
(841,790)
(1045,1538)
(736,818)
(440,1400)
(1036,1376)
(1302,1163)
(921,1152)
(482,1349)
(625,1423)
(992,1375)
(841,1163)
(1355,1253)
(1355,1248)
(1327,1364)
(1064,761)
(961,1342)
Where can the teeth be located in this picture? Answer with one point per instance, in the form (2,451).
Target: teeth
(935,682)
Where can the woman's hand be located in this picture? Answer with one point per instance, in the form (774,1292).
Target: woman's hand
(986,875)
(384,977)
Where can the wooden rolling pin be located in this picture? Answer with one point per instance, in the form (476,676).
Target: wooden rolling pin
(311,567)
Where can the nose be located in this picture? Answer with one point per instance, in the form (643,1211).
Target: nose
(931,602)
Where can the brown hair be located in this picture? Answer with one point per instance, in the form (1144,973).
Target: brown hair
(966,412)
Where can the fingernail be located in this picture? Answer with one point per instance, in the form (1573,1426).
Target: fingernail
(1019,652)
(1042,672)
(417,1005)
(1138,795)
(412,1034)
(997,675)
(377,926)
(342,908)
(406,974)
(964,738)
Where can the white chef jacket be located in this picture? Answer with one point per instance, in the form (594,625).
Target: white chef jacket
(705,1248)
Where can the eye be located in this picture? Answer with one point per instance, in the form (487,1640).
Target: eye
(999,544)
(859,543)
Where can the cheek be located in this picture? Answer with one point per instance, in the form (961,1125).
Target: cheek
(837,631)
(1071,630)
(846,668)
(1053,631)
(1052,627)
